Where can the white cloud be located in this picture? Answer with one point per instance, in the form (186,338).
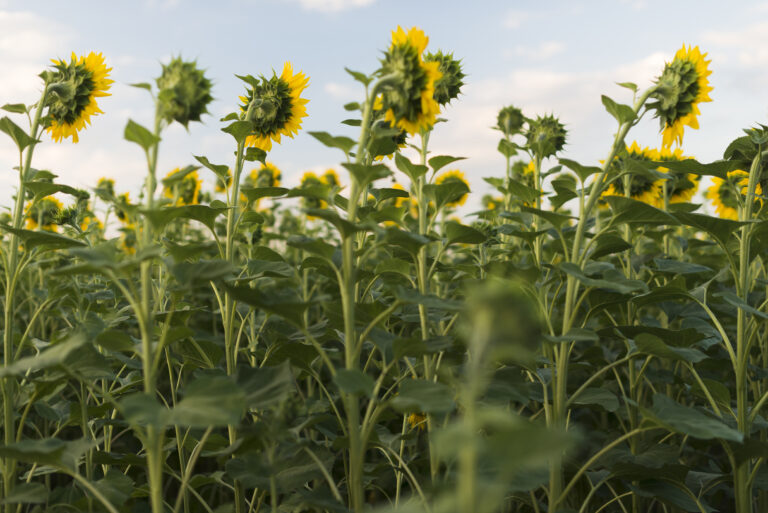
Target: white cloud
(339,91)
(515,18)
(545,50)
(333,5)
(750,43)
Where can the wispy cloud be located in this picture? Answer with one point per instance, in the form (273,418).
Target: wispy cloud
(333,5)
(543,51)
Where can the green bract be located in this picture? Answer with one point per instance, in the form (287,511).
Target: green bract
(183,92)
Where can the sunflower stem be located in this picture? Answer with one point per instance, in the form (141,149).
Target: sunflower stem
(9,384)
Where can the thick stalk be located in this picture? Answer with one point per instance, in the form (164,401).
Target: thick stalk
(742,487)
(559,410)
(11,277)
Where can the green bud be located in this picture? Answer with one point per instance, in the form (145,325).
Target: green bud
(546,136)
(184,92)
(510,120)
(448,86)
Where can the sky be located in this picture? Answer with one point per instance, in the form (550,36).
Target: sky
(554,57)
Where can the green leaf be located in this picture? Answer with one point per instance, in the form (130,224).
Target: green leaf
(219,169)
(15,132)
(665,265)
(719,168)
(409,241)
(353,381)
(413,171)
(312,245)
(360,77)
(134,132)
(53,355)
(649,344)
(142,85)
(16,108)
(209,401)
(555,219)
(736,301)
(689,421)
(265,386)
(616,283)
(583,172)
(341,142)
(140,409)
(367,174)
(47,240)
(720,229)
(609,244)
(507,148)
(599,396)
(161,217)
(190,274)
(446,192)
(345,227)
(239,129)
(627,210)
(411,296)
(440,161)
(42,189)
(423,396)
(279,302)
(622,113)
(629,85)
(457,233)
(256,193)
(523,192)
(255,155)
(575,335)
(27,493)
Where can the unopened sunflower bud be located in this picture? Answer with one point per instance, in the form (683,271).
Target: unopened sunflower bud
(546,135)
(510,120)
(448,86)
(184,92)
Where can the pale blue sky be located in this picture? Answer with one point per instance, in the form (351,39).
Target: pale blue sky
(543,57)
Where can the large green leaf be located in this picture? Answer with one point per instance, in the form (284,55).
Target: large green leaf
(423,396)
(689,421)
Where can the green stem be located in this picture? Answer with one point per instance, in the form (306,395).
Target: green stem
(9,384)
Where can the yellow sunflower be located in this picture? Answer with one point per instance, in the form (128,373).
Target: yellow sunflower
(723,193)
(43,214)
(417,421)
(454,176)
(310,179)
(642,188)
(87,79)
(492,202)
(185,191)
(331,178)
(128,239)
(409,102)
(680,186)
(682,86)
(282,109)
(123,214)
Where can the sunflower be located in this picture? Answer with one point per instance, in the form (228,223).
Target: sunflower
(281,110)
(680,186)
(185,191)
(74,89)
(331,178)
(310,179)
(44,214)
(123,214)
(128,239)
(454,176)
(409,102)
(723,193)
(642,187)
(492,202)
(682,86)
(105,188)
(417,421)
(400,201)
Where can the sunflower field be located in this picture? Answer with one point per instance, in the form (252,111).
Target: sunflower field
(593,339)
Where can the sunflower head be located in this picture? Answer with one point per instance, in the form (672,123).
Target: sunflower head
(44,214)
(310,179)
(183,92)
(546,135)
(448,86)
(331,178)
(724,194)
(680,186)
(105,188)
(128,239)
(409,99)
(454,176)
(682,86)
(510,120)
(417,421)
(274,106)
(268,175)
(73,89)
(642,186)
(492,202)
(182,186)
(122,209)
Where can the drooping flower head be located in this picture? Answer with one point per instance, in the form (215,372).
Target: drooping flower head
(454,176)
(448,86)
(275,106)
(268,175)
(73,92)
(546,135)
(183,92)
(409,100)
(682,86)
(642,187)
(310,179)
(724,194)
(105,188)
(680,186)
(182,186)
(44,214)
